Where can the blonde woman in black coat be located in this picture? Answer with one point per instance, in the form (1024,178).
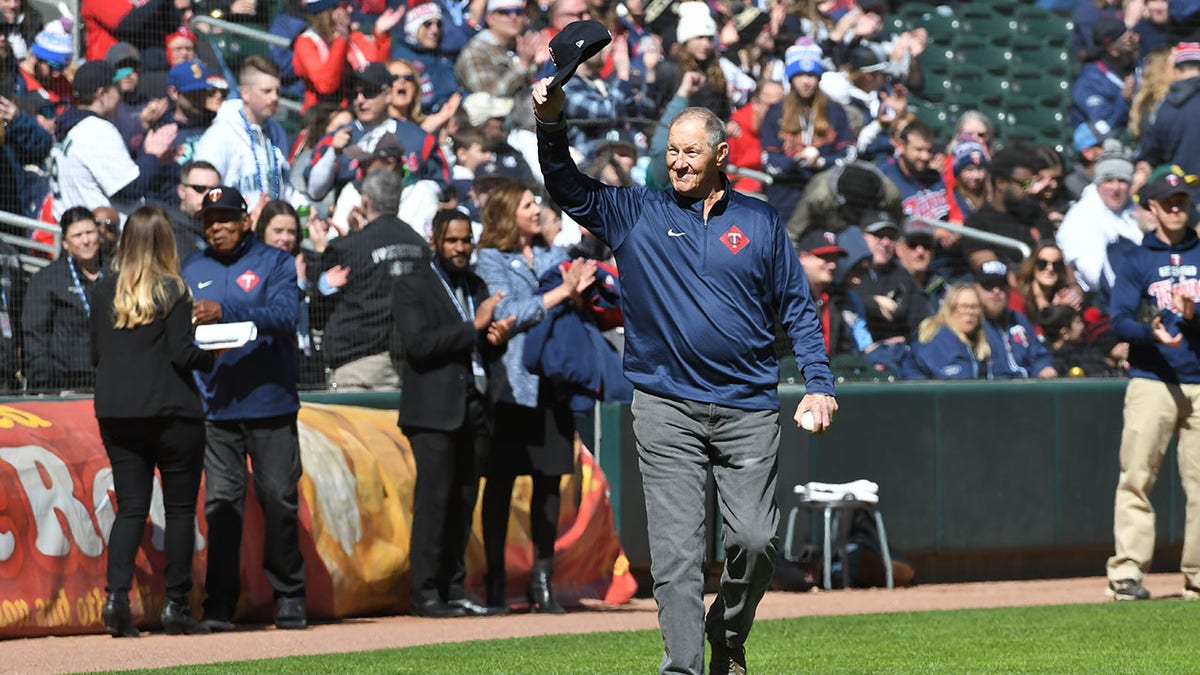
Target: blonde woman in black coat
(142,326)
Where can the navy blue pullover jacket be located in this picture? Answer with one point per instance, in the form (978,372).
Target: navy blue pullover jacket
(700,297)
(1147,276)
(255,282)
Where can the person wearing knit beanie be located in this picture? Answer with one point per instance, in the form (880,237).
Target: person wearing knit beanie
(418,16)
(970,163)
(54,44)
(695,20)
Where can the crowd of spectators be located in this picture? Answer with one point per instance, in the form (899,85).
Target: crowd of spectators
(151,108)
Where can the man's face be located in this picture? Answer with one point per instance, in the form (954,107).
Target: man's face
(1172,212)
(694,165)
(128,83)
(224,229)
(993,293)
(915,154)
(260,95)
(180,50)
(1114,192)
(1014,187)
(568,11)
(454,250)
(370,105)
(507,24)
(82,240)
(193,187)
(108,221)
(1158,11)
(472,156)
(915,254)
(882,245)
(819,268)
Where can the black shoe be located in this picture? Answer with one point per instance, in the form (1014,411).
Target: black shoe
(436,609)
(475,609)
(1127,589)
(289,614)
(541,593)
(217,624)
(727,660)
(118,619)
(177,619)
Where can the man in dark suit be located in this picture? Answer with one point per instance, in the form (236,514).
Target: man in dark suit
(445,327)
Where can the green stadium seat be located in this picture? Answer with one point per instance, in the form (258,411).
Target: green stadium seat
(941,29)
(982,55)
(913,10)
(937,89)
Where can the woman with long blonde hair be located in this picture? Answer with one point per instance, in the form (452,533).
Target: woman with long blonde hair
(149,412)
(951,344)
(1158,73)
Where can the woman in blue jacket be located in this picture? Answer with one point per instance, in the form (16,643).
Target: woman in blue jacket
(951,344)
(534,430)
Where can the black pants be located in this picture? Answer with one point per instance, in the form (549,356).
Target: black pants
(544,503)
(135,446)
(273,446)
(448,468)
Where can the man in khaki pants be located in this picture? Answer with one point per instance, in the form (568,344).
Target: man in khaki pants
(1154,308)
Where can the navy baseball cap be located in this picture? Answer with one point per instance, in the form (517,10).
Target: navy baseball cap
(578,42)
(223,200)
(820,242)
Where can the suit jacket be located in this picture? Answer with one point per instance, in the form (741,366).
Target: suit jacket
(437,345)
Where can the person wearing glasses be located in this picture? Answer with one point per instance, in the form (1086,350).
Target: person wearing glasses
(1011,211)
(334,165)
(1163,395)
(1043,280)
(504,58)
(424,34)
(892,299)
(330,47)
(196,178)
(1017,353)
(951,345)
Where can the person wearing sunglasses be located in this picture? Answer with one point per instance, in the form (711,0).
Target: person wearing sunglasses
(1010,212)
(329,48)
(1163,393)
(1043,280)
(43,67)
(1016,351)
(1099,228)
(503,59)
(424,43)
(196,178)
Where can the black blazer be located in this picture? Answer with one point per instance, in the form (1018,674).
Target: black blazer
(145,371)
(437,346)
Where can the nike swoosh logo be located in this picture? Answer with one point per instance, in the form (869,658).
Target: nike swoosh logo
(204,284)
(671,232)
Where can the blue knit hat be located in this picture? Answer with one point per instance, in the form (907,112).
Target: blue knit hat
(54,44)
(970,152)
(803,58)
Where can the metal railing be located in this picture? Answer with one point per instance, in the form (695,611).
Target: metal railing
(26,247)
(981,235)
(253,34)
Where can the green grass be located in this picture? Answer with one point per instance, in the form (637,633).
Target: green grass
(1135,637)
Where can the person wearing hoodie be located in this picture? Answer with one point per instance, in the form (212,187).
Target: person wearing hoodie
(424,33)
(838,198)
(1154,308)
(247,146)
(1106,82)
(89,164)
(23,142)
(1172,136)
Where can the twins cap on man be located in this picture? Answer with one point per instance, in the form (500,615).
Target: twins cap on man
(376,78)
(820,242)
(578,42)
(1164,182)
(874,222)
(223,199)
(992,270)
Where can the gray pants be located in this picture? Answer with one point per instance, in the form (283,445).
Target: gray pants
(677,443)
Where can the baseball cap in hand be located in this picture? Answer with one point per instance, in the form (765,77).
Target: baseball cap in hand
(578,42)
(389,146)
(820,242)
(223,199)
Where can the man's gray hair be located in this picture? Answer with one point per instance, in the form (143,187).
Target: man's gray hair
(713,126)
(382,187)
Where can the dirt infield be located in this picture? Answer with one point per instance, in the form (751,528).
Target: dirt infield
(100,652)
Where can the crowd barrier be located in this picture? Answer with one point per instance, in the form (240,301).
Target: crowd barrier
(57,507)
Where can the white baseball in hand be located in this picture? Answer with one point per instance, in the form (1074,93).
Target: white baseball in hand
(806,420)
(810,154)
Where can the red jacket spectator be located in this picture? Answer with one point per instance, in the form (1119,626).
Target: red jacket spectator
(324,51)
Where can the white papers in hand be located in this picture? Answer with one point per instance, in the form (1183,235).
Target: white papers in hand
(225,335)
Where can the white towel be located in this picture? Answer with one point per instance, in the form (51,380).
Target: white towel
(225,335)
(861,490)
